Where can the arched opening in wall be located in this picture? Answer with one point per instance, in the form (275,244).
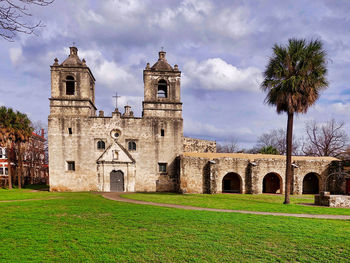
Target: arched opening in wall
(232,183)
(70,83)
(311,184)
(117,181)
(162,89)
(272,184)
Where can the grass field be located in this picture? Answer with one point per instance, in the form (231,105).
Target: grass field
(263,203)
(85,227)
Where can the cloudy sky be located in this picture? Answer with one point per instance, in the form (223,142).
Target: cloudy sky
(221,47)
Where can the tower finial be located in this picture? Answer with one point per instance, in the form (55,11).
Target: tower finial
(116,101)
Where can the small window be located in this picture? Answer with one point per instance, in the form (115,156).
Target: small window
(70,84)
(1,171)
(70,131)
(1,155)
(6,171)
(115,155)
(162,89)
(71,166)
(132,146)
(101,145)
(162,132)
(162,167)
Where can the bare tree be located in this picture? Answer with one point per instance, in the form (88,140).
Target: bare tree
(35,155)
(13,14)
(230,146)
(327,139)
(277,139)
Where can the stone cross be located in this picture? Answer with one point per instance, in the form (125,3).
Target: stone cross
(116,99)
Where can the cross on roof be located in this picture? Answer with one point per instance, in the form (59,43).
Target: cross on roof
(73,44)
(116,99)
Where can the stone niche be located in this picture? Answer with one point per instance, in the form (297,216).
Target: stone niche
(326,199)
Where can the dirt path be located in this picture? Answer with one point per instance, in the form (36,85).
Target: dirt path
(117,197)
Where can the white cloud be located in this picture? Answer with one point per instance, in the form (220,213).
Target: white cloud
(192,11)
(217,74)
(199,128)
(115,77)
(109,73)
(16,55)
(233,23)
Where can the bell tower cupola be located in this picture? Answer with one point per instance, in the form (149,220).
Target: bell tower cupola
(72,87)
(162,89)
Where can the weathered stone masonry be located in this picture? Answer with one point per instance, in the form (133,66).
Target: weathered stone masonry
(205,172)
(143,150)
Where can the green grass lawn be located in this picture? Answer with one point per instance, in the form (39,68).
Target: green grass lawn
(85,227)
(26,193)
(263,202)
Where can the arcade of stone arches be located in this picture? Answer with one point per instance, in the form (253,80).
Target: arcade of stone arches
(272,183)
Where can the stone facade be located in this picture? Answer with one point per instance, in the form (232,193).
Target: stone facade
(85,149)
(254,173)
(198,145)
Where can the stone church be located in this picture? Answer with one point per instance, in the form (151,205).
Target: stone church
(89,151)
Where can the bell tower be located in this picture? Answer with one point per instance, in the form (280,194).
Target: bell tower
(72,87)
(162,89)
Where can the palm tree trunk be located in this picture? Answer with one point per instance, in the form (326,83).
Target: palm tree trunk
(289,158)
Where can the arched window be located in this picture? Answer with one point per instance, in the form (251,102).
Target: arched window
(1,153)
(162,89)
(70,84)
(101,145)
(132,146)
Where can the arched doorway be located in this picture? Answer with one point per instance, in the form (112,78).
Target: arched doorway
(117,181)
(272,184)
(231,183)
(311,184)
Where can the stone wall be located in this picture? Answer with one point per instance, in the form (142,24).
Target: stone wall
(251,169)
(199,145)
(151,148)
(221,166)
(194,175)
(325,199)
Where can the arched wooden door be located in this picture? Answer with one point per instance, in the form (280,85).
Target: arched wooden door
(117,181)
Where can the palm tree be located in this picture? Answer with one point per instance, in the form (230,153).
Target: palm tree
(23,131)
(15,128)
(293,79)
